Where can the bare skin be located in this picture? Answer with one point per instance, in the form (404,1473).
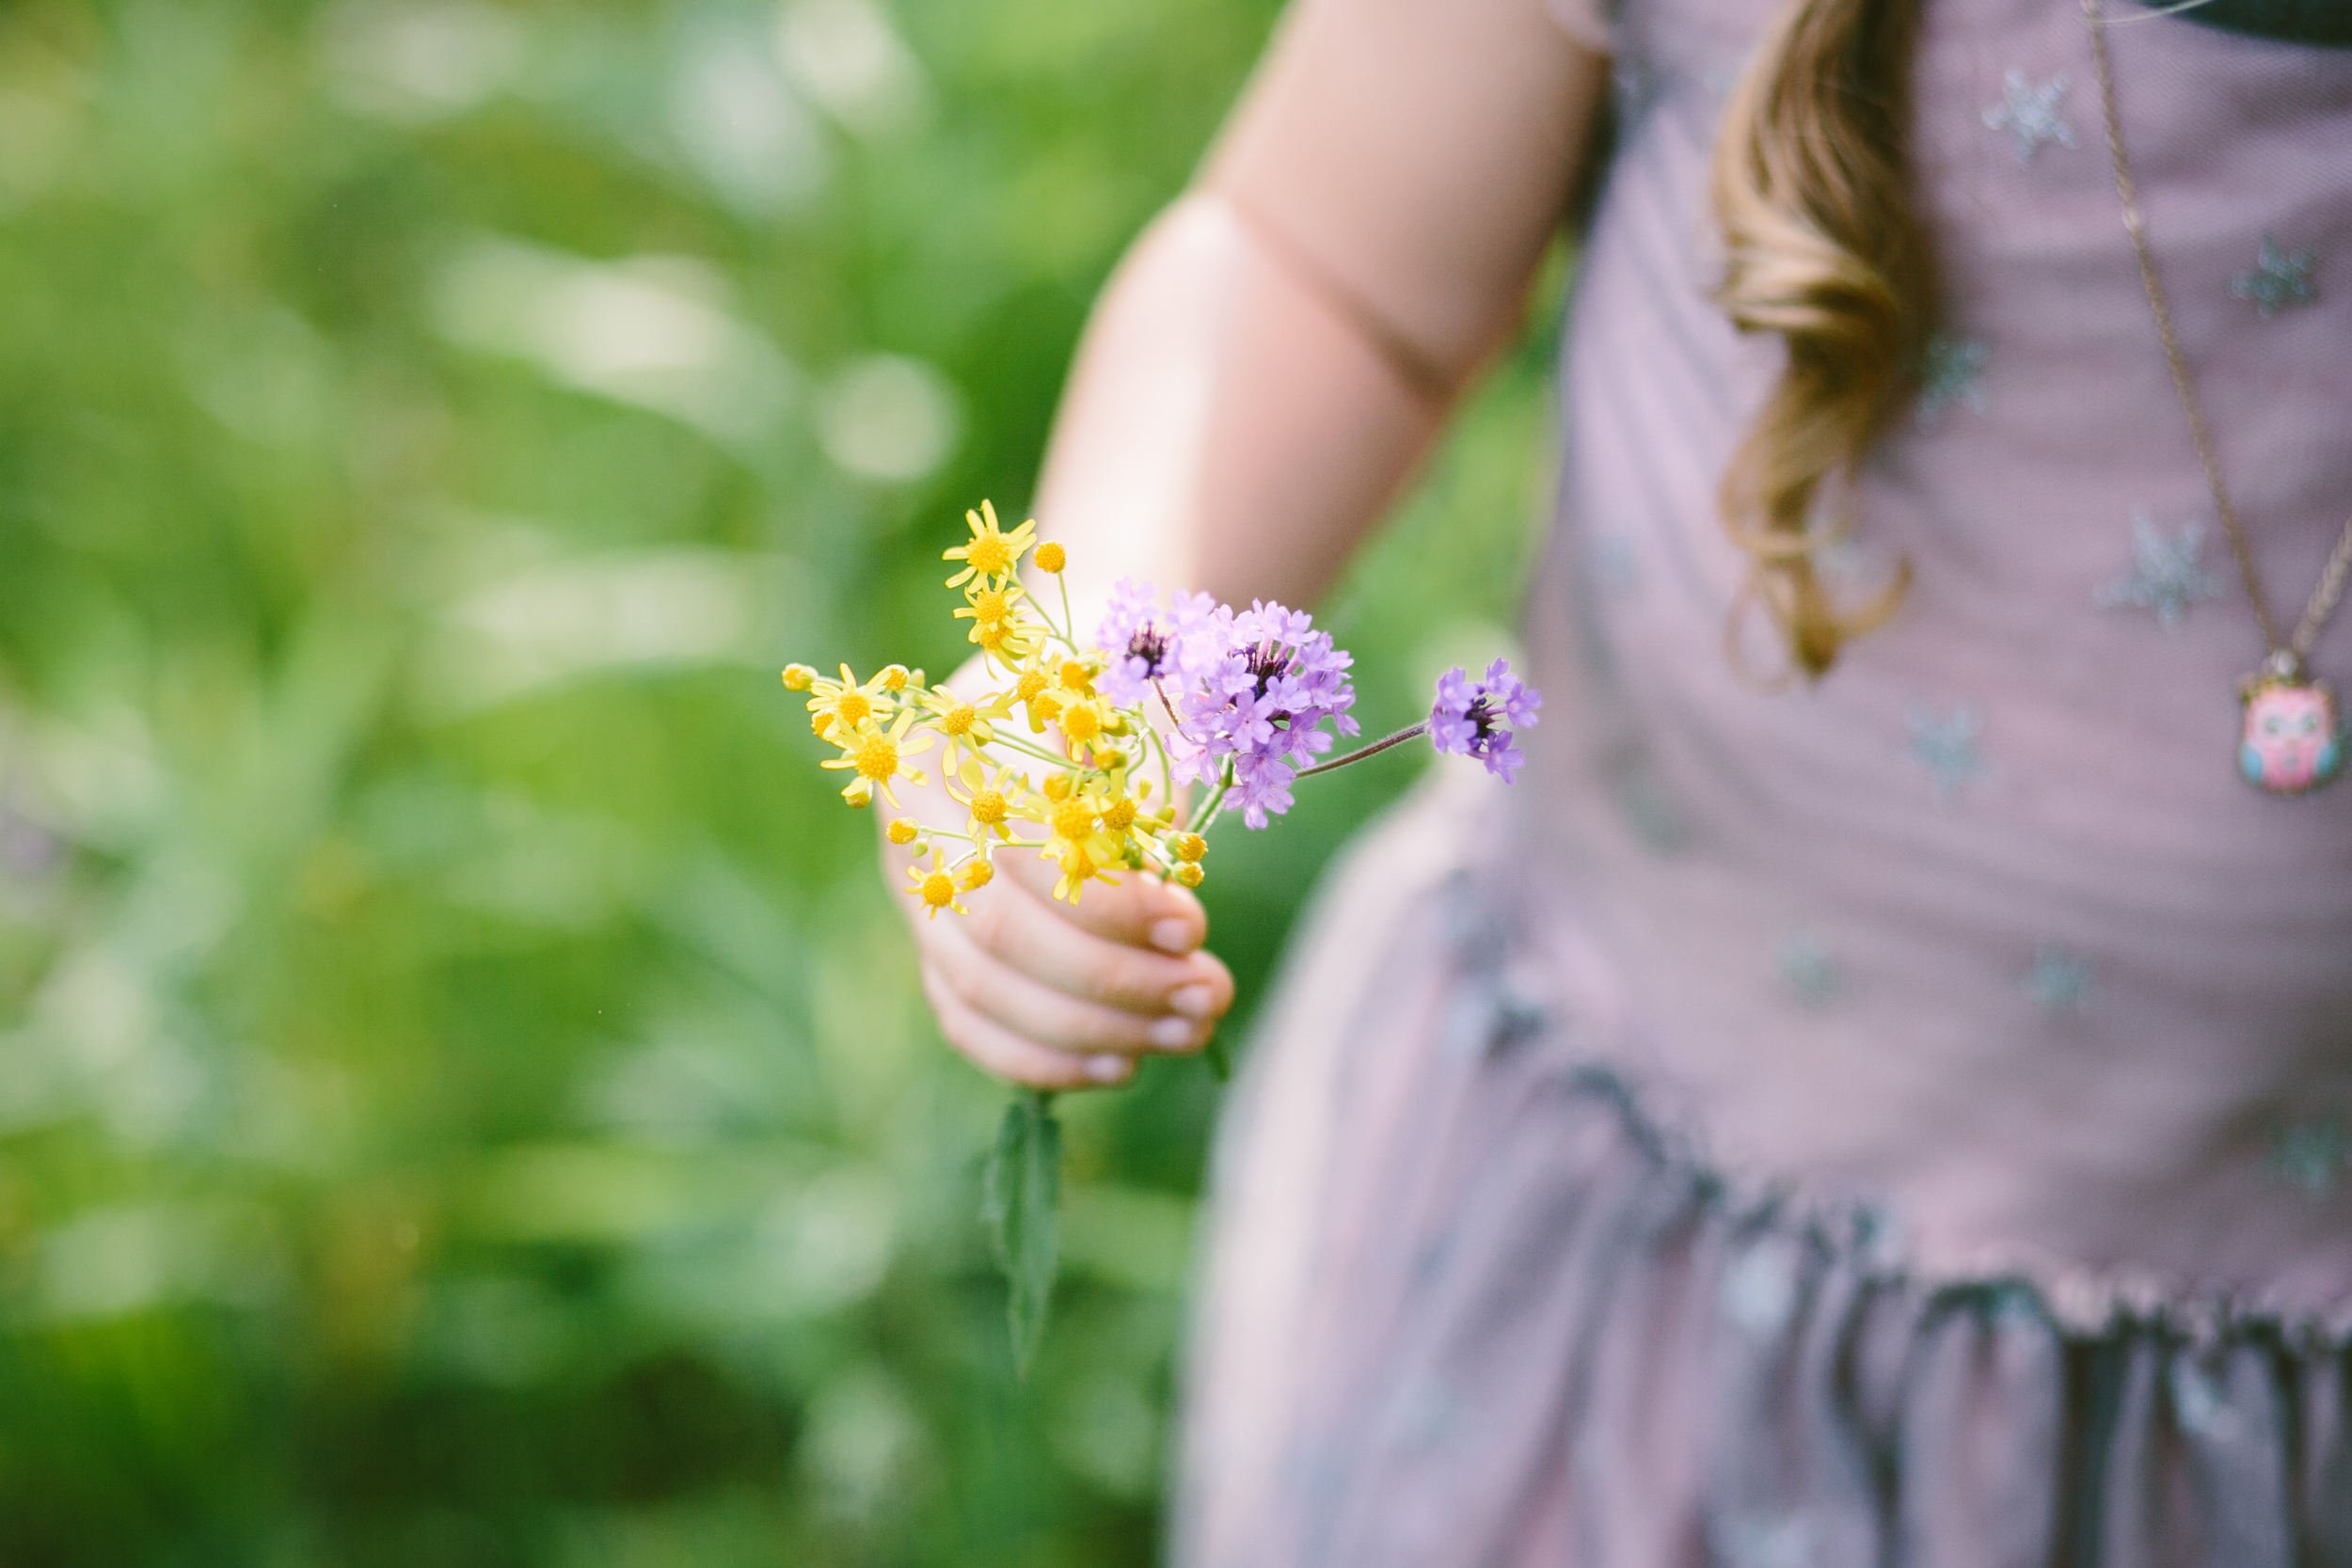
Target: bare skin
(1270,363)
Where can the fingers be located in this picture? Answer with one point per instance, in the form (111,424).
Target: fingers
(1038,1012)
(1007,1054)
(1038,937)
(1138,909)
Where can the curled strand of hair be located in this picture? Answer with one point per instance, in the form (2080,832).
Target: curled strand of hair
(1823,250)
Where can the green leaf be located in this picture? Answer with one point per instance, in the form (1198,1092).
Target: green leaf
(1021,1198)
(1220,1065)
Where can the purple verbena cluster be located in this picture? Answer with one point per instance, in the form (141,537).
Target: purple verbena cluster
(1261,701)
(1469,718)
(1148,642)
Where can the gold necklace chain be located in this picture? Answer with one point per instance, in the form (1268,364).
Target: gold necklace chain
(2287,658)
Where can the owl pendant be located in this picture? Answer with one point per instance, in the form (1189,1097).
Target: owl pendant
(2293,738)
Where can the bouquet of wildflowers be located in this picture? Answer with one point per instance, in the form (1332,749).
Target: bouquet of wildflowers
(1079,753)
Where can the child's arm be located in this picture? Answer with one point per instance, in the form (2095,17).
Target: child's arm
(1270,361)
(1278,349)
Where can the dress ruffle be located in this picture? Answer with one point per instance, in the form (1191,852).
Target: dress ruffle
(1471,1302)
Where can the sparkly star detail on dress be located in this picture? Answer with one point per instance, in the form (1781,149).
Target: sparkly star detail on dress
(2282,279)
(1947,746)
(2030,114)
(2058,981)
(2312,1157)
(2167,574)
(1809,968)
(1948,377)
(1613,564)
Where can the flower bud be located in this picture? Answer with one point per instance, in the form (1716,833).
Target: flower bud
(1050,556)
(901,829)
(1056,787)
(1189,874)
(895,678)
(1189,849)
(798,677)
(977,872)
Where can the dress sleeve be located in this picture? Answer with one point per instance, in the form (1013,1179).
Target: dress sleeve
(1587,22)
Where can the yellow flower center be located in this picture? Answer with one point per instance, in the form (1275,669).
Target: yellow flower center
(1190,847)
(852,706)
(988,553)
(991,635)
(1075,676)
(1119,816)
(959,718)
(988,605)
(1028,686)
(877,757)
(901,831)
(1081,723)
(987,808)
(1049,557)
(1072,819)
(895,678)
(978,873)
(939,890)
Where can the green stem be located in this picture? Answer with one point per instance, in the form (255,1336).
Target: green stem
(1032,747)
(1206,812)
(1399,738)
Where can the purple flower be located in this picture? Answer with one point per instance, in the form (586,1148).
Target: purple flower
(1468,717)
(1261,700)
(1149,643)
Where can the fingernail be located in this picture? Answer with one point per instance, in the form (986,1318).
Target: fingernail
(1172,1033)
(1172,936)
(1107,1070)
(1192,1000)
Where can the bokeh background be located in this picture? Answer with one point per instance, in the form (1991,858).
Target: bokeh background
(463,1095)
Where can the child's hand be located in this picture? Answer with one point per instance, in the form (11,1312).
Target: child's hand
(1064,996)
(1059,995)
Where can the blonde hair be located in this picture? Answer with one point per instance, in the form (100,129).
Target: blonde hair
(1824,248)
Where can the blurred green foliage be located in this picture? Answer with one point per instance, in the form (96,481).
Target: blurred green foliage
(463,1098)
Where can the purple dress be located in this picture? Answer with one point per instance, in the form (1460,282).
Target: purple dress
(1907,1120)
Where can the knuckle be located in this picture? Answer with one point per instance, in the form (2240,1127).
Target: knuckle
(1123,981)
(991,926)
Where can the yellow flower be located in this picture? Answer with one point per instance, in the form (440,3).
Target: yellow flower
(1077,841)
(1125,821)
(1009,641)
(988,553)
(1190,848)
(1001,625)
(880,756)
(797,677)
(985,606)
(901,829)
(936,887)
(989,802)
(844,705)
(1037,688)
(1050,556)
(965,728)
(977,872)
(1188,874)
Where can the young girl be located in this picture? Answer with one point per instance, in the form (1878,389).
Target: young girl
(1876,1091)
